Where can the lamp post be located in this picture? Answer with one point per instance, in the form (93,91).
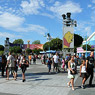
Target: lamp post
(86,46)
(48,39)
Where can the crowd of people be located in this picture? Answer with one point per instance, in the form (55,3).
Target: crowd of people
(69,63)
(11,64)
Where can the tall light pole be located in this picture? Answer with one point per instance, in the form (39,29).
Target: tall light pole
(68,26)
(48,39)
(86,46)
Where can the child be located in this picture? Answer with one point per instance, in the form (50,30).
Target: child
(63,63)
(49,64)
(83,73)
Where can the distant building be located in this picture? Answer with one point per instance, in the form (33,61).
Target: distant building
(91,41)
(33,46)
(8,44)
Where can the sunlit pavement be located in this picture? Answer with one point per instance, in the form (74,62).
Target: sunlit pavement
(39,82)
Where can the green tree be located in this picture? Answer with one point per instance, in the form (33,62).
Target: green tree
(15,49)
(77,40)
(88,47)
(28,50)
(37,51)
(55,44)
(1,48)
(18,41)
(36,42)
(1,53)
(46,46)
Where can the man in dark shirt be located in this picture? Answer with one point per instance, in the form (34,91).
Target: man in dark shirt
(90,66)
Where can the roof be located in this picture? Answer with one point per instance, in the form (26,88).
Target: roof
(90,37)
(33,46)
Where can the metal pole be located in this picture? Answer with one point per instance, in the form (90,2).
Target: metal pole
(86,46)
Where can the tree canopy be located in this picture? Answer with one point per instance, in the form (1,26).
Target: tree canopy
(55,44)
(28,50)
(88,47)
(36,42)
(1,48)
(37,51)
(18,41)
(77,40)
(15,49)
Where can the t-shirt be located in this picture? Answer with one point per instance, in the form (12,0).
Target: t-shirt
(90,62)
(56,58)
(11,61)
(49,62)
(83,69)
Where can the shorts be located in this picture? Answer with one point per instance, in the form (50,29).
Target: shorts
(16,69)
(23,67)
(12,69)
(55,65)
(83,75)
(49,67)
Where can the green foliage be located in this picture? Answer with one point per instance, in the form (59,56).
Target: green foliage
(28,50)
(15,49)
(1,53)
(1,48)
(77,40)
(55,44)
(36,42)
(75,48)
(46,46)
(18,41)
(88,47)
(37,51)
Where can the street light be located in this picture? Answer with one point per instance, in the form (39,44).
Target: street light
(48,39)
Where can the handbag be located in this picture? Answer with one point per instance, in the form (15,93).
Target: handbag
(75,72)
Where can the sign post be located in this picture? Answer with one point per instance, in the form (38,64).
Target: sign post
(68,34)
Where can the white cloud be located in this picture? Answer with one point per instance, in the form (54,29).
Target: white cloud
(58,8)
(84,28)
(32,7)
(48,15)
(10,21)
(15,23)
(89,6)
(33,28)
(88,30)
(93,1)
(50,1)
(5,34)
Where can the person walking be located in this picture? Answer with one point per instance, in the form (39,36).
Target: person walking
(24,64)
(83,72)
(90,67)
(71,72)
(34,59)
(4,61)
(10,66)
(49,65)
(30,58)
(63,63)
(55,62)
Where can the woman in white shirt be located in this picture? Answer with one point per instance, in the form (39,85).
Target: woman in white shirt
(71,72)
(83,72)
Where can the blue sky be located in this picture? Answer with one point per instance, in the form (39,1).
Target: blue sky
(32,19)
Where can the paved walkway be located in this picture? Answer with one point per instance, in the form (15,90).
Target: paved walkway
(39,82)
